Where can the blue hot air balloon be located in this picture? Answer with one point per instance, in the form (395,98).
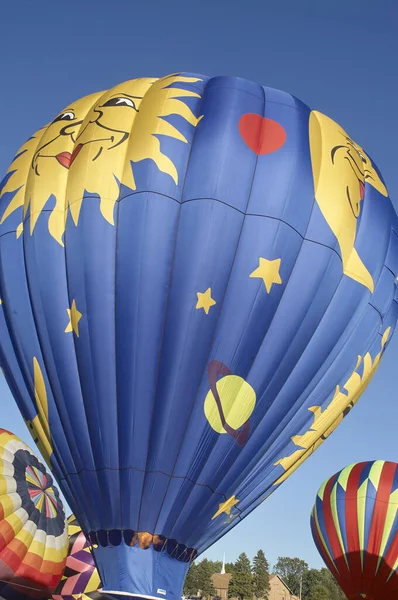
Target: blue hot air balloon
(197,279)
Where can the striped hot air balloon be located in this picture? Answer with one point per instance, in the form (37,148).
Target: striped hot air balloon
(355,527)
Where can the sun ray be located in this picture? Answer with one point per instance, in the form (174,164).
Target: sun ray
(165,128)
(175,106)
(18,173)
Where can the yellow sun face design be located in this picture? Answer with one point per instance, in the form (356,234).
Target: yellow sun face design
(89,147)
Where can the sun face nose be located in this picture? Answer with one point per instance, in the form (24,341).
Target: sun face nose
(71,128)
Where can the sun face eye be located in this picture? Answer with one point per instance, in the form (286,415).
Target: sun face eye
(121,101)
(65,116)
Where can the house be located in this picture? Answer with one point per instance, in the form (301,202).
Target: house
(278,588)
(221,583)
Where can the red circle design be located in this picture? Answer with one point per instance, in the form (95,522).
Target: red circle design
(261,135)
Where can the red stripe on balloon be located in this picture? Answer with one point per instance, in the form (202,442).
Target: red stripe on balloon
(337,552)
(352,529)
(379,517)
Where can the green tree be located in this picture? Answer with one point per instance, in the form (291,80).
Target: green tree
(291,570)
(191,586)
(318,592)
(319,584)
(241,583)
(215,565)
(311,579)
(328,581)
(260,579)
(203,573)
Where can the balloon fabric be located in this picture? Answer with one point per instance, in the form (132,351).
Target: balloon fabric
(355,528)
(197,282)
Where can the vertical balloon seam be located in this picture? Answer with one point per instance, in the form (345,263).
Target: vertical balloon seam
(20,355)
(355,318)
(151,420)
(83,411)
(171,476)
(190,540)
(245,214)
(385,538)
(125,160)
(336,518)
(54,404)
(62,417)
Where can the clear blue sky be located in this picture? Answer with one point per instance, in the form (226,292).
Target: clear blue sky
(339,57)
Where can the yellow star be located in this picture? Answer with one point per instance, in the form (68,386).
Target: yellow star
(268,271)
(225,507)
(74,318)
(205,300)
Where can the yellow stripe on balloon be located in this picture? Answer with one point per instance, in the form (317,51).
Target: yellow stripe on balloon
(15,522)
(375,472)
(344,475)
(54,554)
(388,524)
(10,503)
(395,567)
(322,490)
(361,503)
(318,528)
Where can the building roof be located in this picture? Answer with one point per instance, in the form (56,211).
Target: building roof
(221,580)
(273,575)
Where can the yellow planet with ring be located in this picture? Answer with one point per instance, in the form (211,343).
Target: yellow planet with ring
(237,399)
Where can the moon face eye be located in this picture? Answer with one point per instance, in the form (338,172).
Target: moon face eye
(65,116)
(121,101)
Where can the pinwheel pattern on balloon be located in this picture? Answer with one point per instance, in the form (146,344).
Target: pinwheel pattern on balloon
(33,535)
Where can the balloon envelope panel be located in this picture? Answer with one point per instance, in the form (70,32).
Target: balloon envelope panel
(355,527)
(197,279)
(33,536)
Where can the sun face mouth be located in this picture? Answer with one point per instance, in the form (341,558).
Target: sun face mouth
(66,158)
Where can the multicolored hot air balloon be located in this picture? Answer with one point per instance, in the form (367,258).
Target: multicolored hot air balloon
(80,580)
(355,528)
(33,534)
(197,279)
